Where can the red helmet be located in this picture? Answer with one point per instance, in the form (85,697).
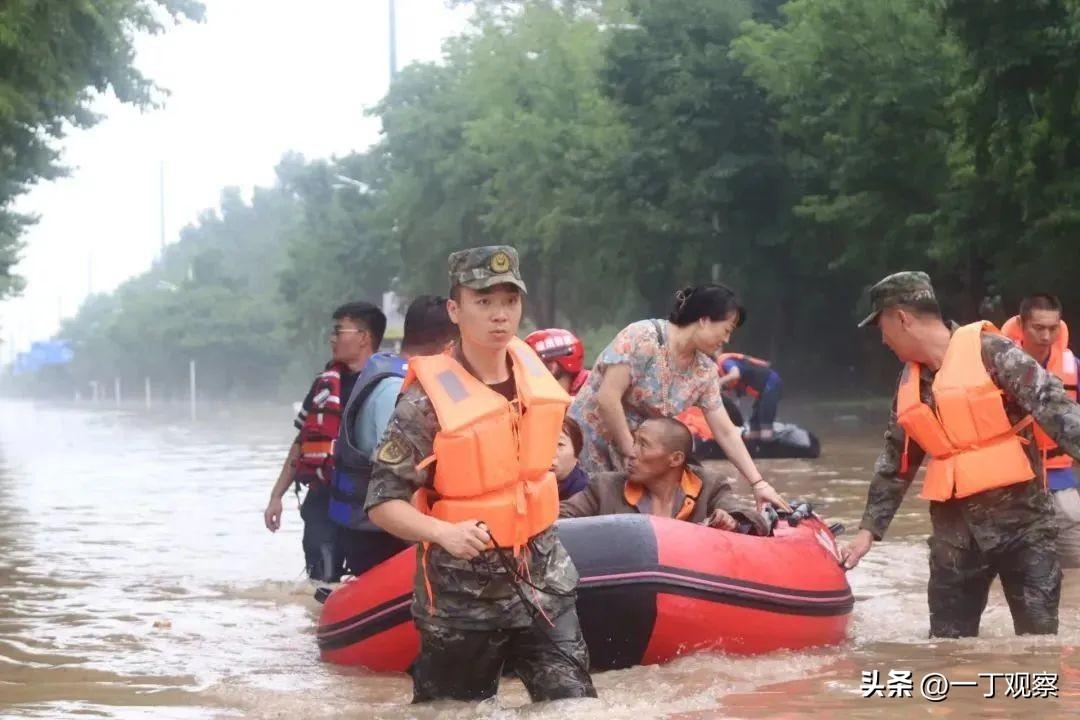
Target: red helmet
(560,346)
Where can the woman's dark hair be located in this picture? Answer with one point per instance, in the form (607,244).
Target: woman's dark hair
(573,431)
(714,302)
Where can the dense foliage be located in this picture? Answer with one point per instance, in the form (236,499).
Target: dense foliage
(797,152)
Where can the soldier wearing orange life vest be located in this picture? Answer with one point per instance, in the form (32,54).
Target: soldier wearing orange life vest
(464,470)
(967,400)
(1040,330)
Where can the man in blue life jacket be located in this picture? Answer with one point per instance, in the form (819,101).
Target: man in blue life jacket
(428,330)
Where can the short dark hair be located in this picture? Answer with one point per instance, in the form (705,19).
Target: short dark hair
(427,323)
(676,436)
(927,308)
(367,315)
(1038,301)
(573,431)
(714,302)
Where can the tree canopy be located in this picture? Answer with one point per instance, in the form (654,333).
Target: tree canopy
(56,56)
(797,152)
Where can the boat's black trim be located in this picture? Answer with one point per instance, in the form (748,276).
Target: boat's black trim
(609,601)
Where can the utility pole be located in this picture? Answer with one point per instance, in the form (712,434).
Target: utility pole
(161,204)
(393,40)
(191,383)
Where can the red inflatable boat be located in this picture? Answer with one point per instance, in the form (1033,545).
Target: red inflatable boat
(651,589)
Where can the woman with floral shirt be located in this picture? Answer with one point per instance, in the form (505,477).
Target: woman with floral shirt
(658,368)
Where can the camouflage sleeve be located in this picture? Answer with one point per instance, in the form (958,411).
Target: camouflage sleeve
(1035,390)
(889,485)
(409,439)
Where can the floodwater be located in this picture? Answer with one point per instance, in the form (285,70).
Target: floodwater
(137,581)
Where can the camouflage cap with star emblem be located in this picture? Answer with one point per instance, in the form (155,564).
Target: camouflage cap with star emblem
(485,267)
(903,288)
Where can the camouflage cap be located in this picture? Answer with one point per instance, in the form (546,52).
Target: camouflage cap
(485,267)
(909,286)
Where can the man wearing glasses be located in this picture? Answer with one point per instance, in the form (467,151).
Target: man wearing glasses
(356,334)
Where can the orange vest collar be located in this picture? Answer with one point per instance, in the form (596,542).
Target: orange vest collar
(1013,330)
(690,484)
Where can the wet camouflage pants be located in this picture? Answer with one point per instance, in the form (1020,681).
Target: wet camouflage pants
(961,573)
(467,664)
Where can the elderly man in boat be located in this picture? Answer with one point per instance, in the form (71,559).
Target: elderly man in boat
(661,479)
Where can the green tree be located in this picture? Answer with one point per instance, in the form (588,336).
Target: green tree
(511,140)
(703,189)
(55,56)
(337,250)
(212,297)
(1019,188)
(864,91)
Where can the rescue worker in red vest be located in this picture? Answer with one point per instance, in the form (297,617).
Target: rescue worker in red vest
(967,398)
(1040,330)
(464,470)
(564,355)
(356,334)
(746,375)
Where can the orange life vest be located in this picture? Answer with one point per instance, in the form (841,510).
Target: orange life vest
(1062,363)
(690,484)
(493,456)
(971,443)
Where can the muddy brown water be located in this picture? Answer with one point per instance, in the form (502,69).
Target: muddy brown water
(137,581)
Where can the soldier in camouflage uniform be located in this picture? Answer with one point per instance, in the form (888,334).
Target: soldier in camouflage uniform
(478,616)
(1007,532)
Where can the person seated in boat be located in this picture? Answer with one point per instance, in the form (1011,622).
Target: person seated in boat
(661,479)
(659,368)
(572,479)
(564,355)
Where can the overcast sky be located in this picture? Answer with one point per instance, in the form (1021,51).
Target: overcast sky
(256,79)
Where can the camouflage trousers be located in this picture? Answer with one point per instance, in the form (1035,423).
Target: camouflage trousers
(552,661)
(961,573)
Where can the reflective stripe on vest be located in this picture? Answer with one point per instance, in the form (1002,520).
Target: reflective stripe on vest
(319,432)
(493,459)
(971,443)
(1061,363)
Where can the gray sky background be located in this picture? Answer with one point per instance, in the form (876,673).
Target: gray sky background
(256,79)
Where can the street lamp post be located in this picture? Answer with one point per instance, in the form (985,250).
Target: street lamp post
(393,39)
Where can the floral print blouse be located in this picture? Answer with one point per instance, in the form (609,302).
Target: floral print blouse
(656,389)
